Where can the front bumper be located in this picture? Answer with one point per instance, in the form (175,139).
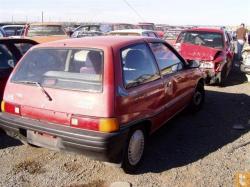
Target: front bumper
(101,146)
(245,68)
(210,76)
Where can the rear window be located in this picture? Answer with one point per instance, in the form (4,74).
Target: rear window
(45,30)
(73,69)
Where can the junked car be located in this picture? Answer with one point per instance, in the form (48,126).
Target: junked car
(101,96)
(45,32)
(13,30)
(11,50)
(150,26)
(134,32)
(99,29)
(212,48)
(2,33)
(87,30)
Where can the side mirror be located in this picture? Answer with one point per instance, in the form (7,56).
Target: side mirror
(193,63)
(11,63)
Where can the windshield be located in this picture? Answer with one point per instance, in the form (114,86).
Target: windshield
(146,27)
(208,39)
(73,69)
(45,30)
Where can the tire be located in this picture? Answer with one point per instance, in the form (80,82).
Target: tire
(223,77)
(197,99)
(134,150)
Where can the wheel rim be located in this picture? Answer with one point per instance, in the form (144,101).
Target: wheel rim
(136,147)
(197,98)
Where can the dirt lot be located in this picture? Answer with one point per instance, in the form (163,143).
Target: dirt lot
(191,150)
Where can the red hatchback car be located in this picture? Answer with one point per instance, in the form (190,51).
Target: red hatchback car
(102,96)
(212,47)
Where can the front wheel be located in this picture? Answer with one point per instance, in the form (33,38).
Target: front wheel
(134,150)
(198,98)
(223,77)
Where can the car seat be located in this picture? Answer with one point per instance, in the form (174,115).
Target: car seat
(93,64)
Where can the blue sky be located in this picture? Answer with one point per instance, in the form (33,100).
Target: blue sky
(212,12)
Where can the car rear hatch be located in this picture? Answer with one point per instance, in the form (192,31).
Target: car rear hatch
(61,86)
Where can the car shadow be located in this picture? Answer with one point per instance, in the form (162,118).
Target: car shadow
(188,138)
(7,141)
(235,77)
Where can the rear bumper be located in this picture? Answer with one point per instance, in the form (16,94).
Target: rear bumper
(245,68)
(101,146)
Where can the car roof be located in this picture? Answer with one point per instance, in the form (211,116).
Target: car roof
(98,42)
(204,29)
(139,31)
(17,40)
(12,26)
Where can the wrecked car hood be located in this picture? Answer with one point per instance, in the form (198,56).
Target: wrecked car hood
(196,52)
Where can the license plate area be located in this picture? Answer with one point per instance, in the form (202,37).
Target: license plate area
(43,140)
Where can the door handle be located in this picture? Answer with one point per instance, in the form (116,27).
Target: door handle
(169,84)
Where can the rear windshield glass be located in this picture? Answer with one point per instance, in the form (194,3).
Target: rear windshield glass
(45,30)
(208,39)
(73,69)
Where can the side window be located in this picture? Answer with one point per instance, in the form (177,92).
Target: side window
(168,62)
(5,57)
(138,65)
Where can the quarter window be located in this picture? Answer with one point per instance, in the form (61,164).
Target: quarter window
(138,65)
(167,60)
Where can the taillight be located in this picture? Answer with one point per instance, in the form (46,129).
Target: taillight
(96,124)
(10,108)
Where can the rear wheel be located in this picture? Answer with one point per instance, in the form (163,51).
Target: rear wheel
(134,150)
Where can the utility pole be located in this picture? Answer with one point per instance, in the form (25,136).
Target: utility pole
(42,16)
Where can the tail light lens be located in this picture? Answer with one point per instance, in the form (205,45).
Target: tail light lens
(10,108)
(96,124)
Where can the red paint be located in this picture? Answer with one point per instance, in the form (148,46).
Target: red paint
(156,101)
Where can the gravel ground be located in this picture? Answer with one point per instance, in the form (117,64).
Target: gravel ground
(191,150)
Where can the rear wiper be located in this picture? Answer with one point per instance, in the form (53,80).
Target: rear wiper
(39,86)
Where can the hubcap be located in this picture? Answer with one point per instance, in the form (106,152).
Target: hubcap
(136,147)
(197,98)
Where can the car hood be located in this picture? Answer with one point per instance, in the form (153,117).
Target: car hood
(43,39)
(196,52)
